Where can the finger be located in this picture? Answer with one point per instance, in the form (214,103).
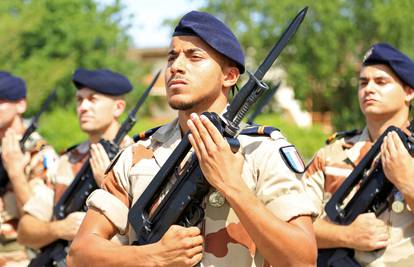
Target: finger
(398,144)
(382,237)
(196,259)
(92,161)
(197,141)
(385,155)
(193,231)
(191,252)
(197,240)
(96,155)
(204,134)
(380,244)
(93,151)
(390,141)
(103,155)
(214,133)
(194,145)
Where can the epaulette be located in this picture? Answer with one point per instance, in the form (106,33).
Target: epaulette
(342,134)
(145,134)
(257,130)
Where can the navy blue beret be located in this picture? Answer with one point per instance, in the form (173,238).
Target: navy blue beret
(402,65)
(102,80)
(11,87)
(214,32)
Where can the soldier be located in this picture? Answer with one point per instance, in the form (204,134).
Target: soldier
(99,104)
(386,83)
(25,169)
(264,215)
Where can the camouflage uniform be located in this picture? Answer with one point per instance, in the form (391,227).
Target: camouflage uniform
(41,157)
(60,176)
(227,243)
(329,168)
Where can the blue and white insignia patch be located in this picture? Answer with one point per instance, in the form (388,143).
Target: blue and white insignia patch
(292,158)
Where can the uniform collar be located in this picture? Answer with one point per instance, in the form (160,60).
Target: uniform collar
(167,137)
(166,132)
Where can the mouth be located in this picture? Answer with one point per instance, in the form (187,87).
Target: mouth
(369,101)
(85,118)
(175,83)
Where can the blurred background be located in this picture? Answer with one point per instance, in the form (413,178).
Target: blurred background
(44,41)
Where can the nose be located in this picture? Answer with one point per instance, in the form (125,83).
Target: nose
(178,65)
(83,105)
(370,87)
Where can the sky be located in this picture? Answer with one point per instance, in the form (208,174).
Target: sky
(148,15)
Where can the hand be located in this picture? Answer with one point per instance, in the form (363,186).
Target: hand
(68,227)
(221,167)
(397,163)
(368,233)
(14,160)
(99,162)
(179,246)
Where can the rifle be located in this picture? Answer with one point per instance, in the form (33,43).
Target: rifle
(34,124)
(374,194)
(268,95)
(183,203)
(74,197)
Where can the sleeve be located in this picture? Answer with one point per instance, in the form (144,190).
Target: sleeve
(277,186)
(313,180)
(40,204)
(113,200)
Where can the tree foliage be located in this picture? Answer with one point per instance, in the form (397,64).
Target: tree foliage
(44,41)
(323,59)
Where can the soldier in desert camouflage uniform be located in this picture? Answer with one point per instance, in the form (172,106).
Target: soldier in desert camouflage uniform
(262,217)
(385,93)
(100,103)
(25,170)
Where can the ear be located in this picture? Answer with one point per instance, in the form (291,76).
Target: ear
(409,93)
(231,75)
(119,107)
(21,106)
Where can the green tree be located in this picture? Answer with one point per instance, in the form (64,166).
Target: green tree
(44,41)
(323,59)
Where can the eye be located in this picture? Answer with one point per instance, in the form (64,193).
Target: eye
(363,83)
(382,82)
(196,57)
(94,98)
(171,57)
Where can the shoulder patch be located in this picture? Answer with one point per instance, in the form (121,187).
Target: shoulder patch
(292,158)
(341,134)
(145,134)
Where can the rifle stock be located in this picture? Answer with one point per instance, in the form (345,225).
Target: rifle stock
(74,197)
(182,203)
(4,178)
